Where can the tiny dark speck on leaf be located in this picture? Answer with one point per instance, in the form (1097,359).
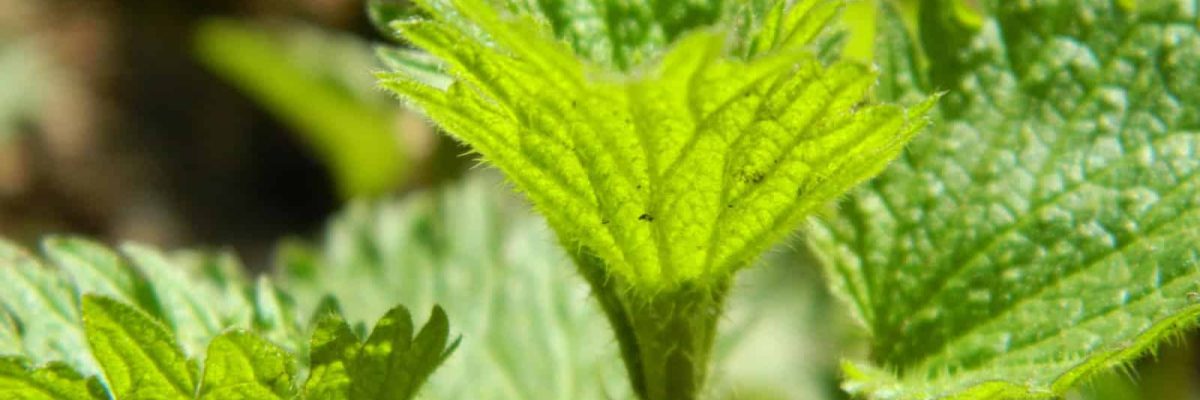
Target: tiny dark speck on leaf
(646,217)
(604,221)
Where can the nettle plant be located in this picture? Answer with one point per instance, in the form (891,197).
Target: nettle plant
(1006,202)
(1042,231)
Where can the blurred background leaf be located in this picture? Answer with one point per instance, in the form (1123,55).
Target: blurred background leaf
(319,83)
(530,328)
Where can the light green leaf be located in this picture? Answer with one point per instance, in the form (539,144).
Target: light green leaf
(333,348)
(308,80)
(95,269)
(621,34)
(242,365)
(199,294)
(191,309)
(44,306)
(417,64)
(205,293)
(1046,229)
(10,335)
(530,329)
(139,356)
(680,173)
(52,382)
(275,315)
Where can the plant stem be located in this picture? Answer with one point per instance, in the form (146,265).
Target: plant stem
(665,339)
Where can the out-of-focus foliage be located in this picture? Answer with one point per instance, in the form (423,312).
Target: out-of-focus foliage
(319,83)
(96,324)
(530,328)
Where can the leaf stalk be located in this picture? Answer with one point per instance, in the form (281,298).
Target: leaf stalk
(666,339)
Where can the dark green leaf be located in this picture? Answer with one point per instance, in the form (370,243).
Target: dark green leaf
(332,351)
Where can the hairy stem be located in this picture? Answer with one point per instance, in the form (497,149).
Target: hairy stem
(665,339)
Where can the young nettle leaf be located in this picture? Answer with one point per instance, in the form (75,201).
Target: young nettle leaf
(139,356)
(131,347)
(391,364)
(197,296)
(55,381)
(664,180)
(334,346)
(680,173)
(1046,229)
(242,365)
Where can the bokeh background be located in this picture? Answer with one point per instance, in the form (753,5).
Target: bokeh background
(233,123)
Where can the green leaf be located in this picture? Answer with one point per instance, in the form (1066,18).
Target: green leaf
(43,305)
(199,295)
(93,268)
(275,315)
(493,266)
(139,356)
(620,34)
(190,309)
(391,364)
(679,174)
(382,354)
(1045,230)
(10,335)
(242,365)
(345,123)
(52,382)
(530,331)
(417,64)
(334,347)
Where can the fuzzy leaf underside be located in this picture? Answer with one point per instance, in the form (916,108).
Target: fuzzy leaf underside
(681,172)
(1045,229)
